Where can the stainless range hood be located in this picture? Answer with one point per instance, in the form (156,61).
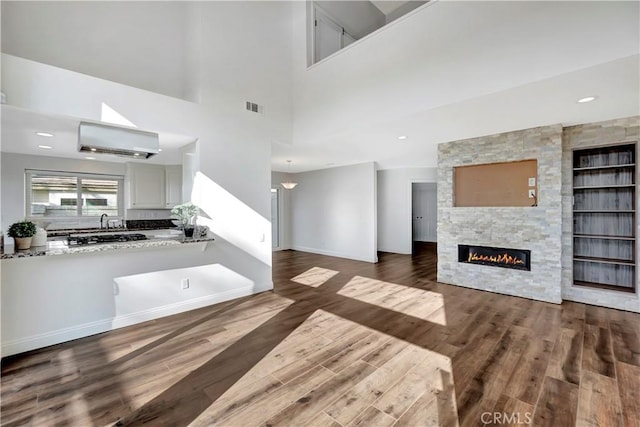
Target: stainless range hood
(105,139)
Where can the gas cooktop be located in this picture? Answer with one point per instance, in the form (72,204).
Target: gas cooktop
(103,238)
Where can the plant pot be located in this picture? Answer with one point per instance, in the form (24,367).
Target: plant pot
(188,232)
(22,242)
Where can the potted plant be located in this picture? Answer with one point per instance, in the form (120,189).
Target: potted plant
(22,232)
(186,214)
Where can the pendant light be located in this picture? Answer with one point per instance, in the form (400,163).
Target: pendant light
(289,185)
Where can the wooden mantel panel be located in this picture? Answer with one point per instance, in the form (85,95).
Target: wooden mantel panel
(495,184)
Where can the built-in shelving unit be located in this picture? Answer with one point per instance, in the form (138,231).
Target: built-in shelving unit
(604,217)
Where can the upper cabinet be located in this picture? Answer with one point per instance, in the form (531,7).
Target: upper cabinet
(153,186)
(173,185)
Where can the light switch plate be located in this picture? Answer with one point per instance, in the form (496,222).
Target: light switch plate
(532,194)
(532,182)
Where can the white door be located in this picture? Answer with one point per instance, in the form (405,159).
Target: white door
(275,218)
(327,36)
(424,212)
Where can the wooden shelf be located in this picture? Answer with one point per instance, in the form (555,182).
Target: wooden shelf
(604,187)
(604,236)
(593,168)
(589,217)
(605,260)
(603,211)
(630,290)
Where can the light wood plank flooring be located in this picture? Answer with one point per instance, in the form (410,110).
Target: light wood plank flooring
(346,343)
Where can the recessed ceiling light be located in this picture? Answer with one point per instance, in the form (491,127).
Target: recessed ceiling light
(46,147)
(93,149)
(136,154)
(44,134)
(90,158)
(402,137)
(159,149)
(587,99)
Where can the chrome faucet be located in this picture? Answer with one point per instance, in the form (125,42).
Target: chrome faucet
(102,217)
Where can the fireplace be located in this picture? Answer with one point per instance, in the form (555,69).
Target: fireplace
(519,259)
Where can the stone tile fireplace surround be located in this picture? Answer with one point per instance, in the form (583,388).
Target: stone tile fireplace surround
(537,229)
(545,229)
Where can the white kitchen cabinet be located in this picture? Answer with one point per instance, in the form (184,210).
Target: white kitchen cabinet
(146,186)
(153,186)
(173,185)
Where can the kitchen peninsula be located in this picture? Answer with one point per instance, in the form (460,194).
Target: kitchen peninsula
(152,239)
(59,292)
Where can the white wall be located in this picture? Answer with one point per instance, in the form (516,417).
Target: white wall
(190,165)
(140,44)
(334,212)
(358,18)
(245,55)
(394,206)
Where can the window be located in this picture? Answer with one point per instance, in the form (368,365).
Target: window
(62,195)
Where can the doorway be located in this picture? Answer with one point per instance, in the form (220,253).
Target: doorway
(275,219)
(424,215)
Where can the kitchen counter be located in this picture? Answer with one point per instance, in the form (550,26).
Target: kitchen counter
(155,238)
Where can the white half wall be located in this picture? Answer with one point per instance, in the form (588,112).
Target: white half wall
(394,206)
(334,212)
(52,299)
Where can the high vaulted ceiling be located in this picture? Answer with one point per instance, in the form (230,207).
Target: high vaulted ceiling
(446,71)
(455,70)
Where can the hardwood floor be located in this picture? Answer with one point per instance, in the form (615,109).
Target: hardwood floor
(345,343)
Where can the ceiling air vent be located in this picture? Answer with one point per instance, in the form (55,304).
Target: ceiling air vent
(253,107)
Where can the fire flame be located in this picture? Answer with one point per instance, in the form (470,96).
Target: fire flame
(499,259)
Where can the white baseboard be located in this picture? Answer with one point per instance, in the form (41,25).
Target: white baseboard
(84,330)
(332,253)
(178,307)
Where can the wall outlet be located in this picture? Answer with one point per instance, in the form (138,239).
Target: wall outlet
(532,182)
(532,194)
(185,283)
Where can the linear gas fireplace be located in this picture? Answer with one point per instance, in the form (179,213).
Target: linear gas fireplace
(519,259)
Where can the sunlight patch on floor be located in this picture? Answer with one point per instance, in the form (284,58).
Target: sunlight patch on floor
(315,276)
(191,349)
(426,305)
(333,369)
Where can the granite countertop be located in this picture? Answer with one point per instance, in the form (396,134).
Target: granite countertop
(156,238)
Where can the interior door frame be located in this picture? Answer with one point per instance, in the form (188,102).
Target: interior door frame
(410,198)
(279,218)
